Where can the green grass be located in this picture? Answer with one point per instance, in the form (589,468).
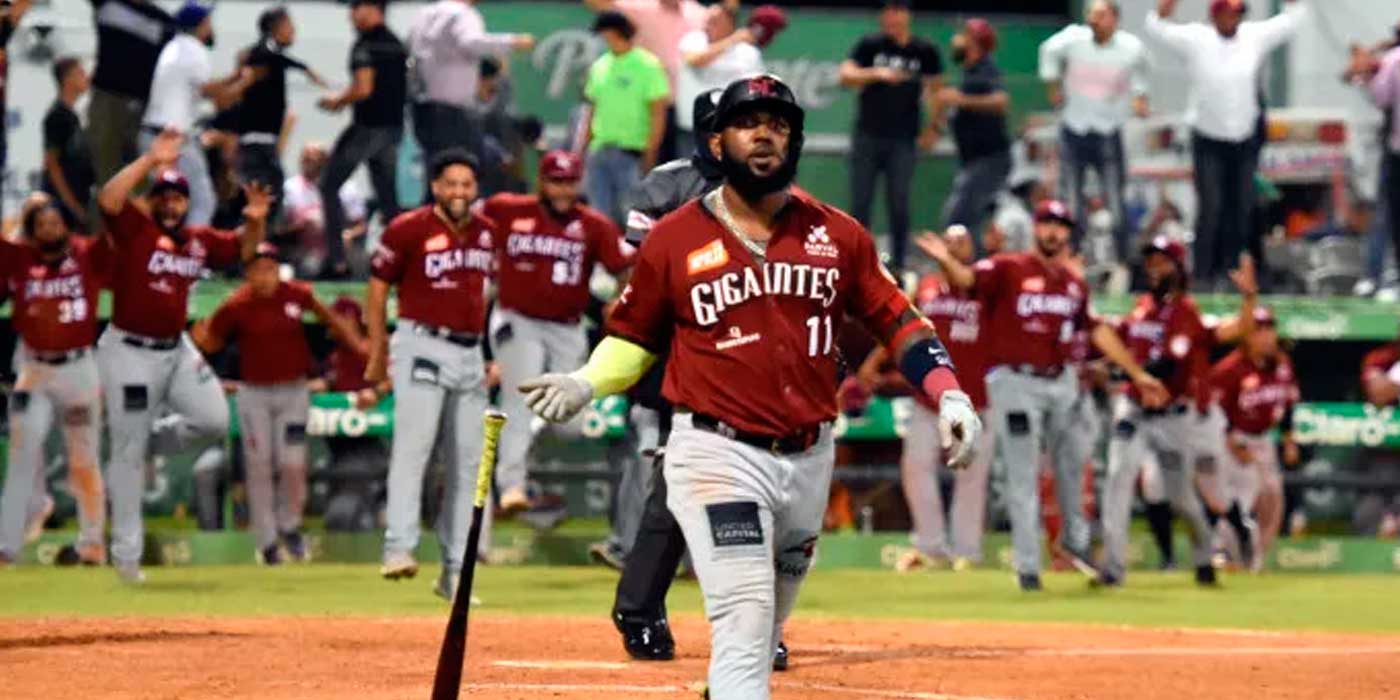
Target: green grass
(1358,603)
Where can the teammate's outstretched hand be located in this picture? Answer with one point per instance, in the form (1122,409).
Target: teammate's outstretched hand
(259,198)
(1244,277)
(556,397)
(958,427)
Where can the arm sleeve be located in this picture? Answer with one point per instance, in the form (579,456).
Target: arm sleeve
(289,62)
(1142,69)
(615,365)
(988,278)
(361,56)
(224,322)
(391,255)
(1052,56)
(932,65)
(1281,27)
(55,132)
(612,249)
(658,85)
(590,86)
(644,315)
(225,248)
(470,32)
(863,53)
(1383,86)
(645,209)
(1177,36)
(126,222)
(693,41)
(875,298)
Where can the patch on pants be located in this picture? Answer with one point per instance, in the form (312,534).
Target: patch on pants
(1018,423)
(424,371)
(794,560)
(735,524)
(19,402)
(135,398)
(1124,429)
(1205,464)
(296,433)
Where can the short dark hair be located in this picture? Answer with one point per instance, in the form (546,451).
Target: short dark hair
(63,66)
(270,18)
(450,157)
(490,67)
(383,5)
(615,21)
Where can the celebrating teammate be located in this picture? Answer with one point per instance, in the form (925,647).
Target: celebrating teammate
(440,256)
(264,318)
(747,287)
(53,280)
(1166,334)
(1256,388)
(1033,305)
(145,360)
(546,250)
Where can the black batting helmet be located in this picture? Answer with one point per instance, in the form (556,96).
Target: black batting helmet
(765,91)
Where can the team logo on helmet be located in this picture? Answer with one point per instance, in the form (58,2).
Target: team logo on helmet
(762,86)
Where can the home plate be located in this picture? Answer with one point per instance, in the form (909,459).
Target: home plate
(563,665)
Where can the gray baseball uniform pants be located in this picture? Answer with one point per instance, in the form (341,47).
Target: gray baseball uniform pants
(751,519)
(71,393)
(439,397)
(136,383)
(272,421)
(528,347)
(918,471)
(635,455)
(1030,415)
(1167,437)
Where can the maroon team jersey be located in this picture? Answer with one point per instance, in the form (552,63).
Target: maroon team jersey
(1378,362)
(152,272)
(1254,398)
(544,262)
(441,275)
(346,370)
(957,316)
(55,303)
(272,347)
(1031,309)
(1169,339)
(753,343)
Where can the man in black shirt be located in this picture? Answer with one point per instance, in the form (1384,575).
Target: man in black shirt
(130,35)
(68,174)
(11,12)
(378,66)
(895,71)
(264,108)
(979,126)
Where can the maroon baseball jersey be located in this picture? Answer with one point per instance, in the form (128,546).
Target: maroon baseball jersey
(272,347)
(346,370)
(544,262)
(441,274)
(1169,339)
(1378,362)
(55,304)
(1254,398)
(1031,309)
(152,272)
(752,341)
(957,316)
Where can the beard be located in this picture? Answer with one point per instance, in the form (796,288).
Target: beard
(54,247)
(1164,285)
(751,185)
(171,225)
(456,209)
(1049,249)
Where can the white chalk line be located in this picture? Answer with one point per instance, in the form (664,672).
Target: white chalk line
(666,689)
(874,693)
(563,665)
(1198,651)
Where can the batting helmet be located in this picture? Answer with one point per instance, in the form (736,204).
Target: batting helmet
(171,180)
(766,22)
(759,92)
(561,165)
(1054,210)
(1170,247)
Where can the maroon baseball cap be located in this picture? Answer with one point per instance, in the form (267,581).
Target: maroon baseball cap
(766,22)
(1054,210)
(981,31)
(1236,6)
(1170,247)
(171,179)
(561,165)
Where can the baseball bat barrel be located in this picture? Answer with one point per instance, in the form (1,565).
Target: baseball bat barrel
(447,682)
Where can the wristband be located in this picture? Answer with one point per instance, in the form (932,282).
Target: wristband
(926,365)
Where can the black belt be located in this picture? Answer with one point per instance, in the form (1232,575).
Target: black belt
(1175,409)
(141,341)
(800,441)
(1053,372)
(58,358)
(466,340)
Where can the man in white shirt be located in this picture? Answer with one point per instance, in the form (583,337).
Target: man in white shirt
(183,77)
(1222,62)
(1097,77)
(448,42)
(712,58)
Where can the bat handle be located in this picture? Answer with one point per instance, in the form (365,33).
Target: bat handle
(492,422)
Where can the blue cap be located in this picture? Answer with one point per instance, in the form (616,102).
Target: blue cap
(191,14)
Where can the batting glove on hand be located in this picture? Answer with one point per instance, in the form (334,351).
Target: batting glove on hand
(556,397)
(958,426)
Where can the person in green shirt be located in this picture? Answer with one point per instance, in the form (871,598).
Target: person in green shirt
(628,94)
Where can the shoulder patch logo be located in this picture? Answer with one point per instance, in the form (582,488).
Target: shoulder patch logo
(1033,284)
(522,225)
(708,257)
(819,243)
(436,243)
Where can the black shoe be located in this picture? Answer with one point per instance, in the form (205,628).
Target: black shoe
(67,556)
(780,658)
(1081,560)
(1106,580)
(646,640)
(270,556)
(296,546)
(1205,576)
(1029,582)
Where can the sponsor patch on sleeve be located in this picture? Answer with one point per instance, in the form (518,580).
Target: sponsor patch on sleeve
(707,257)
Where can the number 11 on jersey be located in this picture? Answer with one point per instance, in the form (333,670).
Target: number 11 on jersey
(816,327)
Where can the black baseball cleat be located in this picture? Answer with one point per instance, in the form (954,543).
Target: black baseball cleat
(1205,576)
(646,640)
(296,546)
(270,555)
(780,658)
(1030,583)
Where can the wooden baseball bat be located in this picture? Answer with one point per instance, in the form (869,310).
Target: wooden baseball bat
(447,682)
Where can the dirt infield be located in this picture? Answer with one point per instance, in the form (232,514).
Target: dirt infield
(580,659)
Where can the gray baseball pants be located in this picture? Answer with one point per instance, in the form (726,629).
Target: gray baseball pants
(272,421)
(918,471)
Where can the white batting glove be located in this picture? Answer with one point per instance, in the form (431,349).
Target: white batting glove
(556,397)
(958,427)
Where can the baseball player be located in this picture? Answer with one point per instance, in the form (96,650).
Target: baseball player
(1033,305)
(146,361)
(440,257)
(639,609)
(1256,388)
(546,250)
(53,280)
(1166,333)
(747,287)
(956,315)
(263,317)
